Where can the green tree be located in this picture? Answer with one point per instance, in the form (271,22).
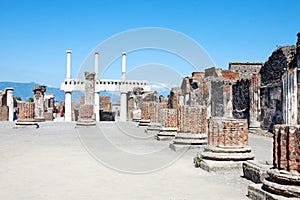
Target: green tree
(18,98)
(30,100)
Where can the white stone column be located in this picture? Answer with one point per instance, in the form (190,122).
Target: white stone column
(68,64)
(10,103)
(68,107)
(123,66)
(96,65)
(97,106)
(123,109)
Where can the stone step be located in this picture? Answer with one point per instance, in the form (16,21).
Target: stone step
(189,141)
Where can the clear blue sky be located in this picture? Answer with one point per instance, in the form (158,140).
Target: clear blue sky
(34,35)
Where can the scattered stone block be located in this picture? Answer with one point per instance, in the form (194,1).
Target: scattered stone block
(255,171)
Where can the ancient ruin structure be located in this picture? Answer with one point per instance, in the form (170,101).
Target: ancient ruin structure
(86,110)
(283,180)
(39,108)
(123,86)
(26,111)
(7,104)
(227,144)
(49,106)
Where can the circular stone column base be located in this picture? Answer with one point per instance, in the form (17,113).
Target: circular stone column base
(227,153)
(283,183)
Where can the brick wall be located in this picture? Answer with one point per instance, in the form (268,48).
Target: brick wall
(26,111)
(286,147)
(168,117)
(86,112)
(224,132)
(191,119)
(105,103)
(3,113)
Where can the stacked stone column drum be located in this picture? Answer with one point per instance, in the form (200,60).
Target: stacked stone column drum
(227,141)
(284,178)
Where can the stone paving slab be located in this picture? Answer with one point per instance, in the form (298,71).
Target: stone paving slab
(52,162)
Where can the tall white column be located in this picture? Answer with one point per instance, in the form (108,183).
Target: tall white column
(68,107)
(123,109)
(10,103)
(97,106)
(96,65)
(123,66)
(68,64)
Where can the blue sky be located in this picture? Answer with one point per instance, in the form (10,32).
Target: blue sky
(34,35)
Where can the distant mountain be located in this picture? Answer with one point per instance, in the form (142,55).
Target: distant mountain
(24,90)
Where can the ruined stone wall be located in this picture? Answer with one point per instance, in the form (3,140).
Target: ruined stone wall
(168,117)
(191,119)
(105,103)
(271,72)
(26,110)
(241,99)
(271,104)
(246,70)
(224,132)
(3,113)
(145,110)
(217,96)
(86,112)
(286,147)
(130,108)
(271,85)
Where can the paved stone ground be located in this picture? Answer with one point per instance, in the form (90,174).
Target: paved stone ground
(110,161)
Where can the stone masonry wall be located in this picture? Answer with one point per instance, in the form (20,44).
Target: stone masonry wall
(3,113)
(105,103)
(168,117)
(26,111)
(286,147)
(191,119)
(241,99)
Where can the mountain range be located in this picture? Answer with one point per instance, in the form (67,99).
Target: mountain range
(24,91)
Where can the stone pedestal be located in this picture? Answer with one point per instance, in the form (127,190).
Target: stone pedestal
(26,115)
(227,145)
(86,111)
(39,111)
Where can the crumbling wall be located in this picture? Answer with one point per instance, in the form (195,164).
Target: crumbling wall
(241,99)
(271,72)
(217,95)
(3,113)
(168,118)
(105,103)
(271,85)
(26,110)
